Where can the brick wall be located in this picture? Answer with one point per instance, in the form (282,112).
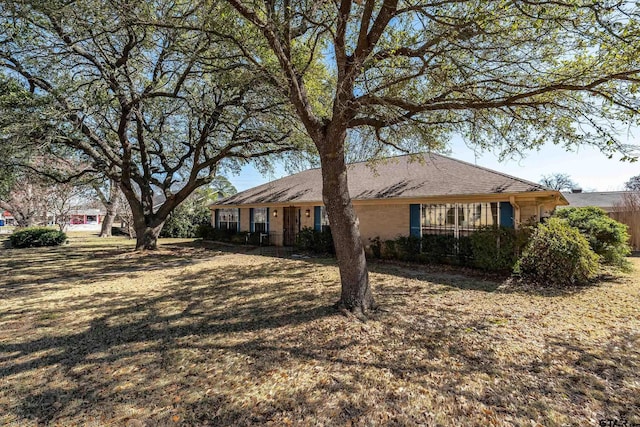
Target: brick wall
(382,220)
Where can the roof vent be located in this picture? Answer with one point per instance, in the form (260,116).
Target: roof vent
(576,190)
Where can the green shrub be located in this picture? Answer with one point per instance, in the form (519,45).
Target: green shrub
(558,255)
(389,250)
(431,248)
(464,251)
(36,237)
(246,238)
(607,237)
(320,242)
(407,248)
(438,248)
(185,220)
(376,247)
(494,248)
(209,232)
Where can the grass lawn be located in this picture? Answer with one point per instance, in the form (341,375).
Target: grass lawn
(93,334)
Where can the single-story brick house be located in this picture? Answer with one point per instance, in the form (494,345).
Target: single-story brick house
(404,195)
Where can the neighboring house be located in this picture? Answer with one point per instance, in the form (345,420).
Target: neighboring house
(607,200)
(6,218)
(85,219)
(77,218)
(623,206)
(405,195)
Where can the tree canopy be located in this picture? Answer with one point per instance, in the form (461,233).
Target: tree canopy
(558,181)
(408,75)
(155,108)
(511,74)
(633,184)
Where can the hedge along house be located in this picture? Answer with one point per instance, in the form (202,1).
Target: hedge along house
(404,195)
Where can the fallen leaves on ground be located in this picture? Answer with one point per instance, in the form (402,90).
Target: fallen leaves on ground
(93,334)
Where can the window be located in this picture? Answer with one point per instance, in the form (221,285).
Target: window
(77,219)
(228,219)
(260,218)
(458,218)
(324,219)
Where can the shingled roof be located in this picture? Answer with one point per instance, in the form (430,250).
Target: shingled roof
(423,175)
(606,200)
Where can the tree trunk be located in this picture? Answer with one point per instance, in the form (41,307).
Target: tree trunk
(107,224)
(356,295)
(111,206)
(147,236)
(130,230)
(24,220)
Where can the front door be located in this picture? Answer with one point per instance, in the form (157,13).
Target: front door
(290,220)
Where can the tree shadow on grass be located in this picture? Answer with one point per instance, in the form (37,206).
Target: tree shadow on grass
(144,351)
(520,389)
(31,271)
(132,330)
(451,277)
(454,277)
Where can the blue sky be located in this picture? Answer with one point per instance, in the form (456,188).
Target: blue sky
(587,166)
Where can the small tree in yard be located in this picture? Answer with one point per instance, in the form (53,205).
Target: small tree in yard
(62,198)
(186,219)
(26,199)
(126,216)
(403,75)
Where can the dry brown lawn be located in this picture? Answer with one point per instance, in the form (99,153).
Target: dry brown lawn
(93,334)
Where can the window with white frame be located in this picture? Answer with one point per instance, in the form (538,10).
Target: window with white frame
(458,218)
(260,217)
(228,219)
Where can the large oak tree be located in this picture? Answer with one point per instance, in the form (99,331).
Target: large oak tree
(155,109)
(504,74)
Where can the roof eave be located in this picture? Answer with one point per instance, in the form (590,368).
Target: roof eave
(560,199)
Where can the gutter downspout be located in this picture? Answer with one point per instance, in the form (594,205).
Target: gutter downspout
(516,219)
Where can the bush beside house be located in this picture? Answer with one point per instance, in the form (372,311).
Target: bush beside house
(558,255)
(208,232)
(490,248)
(319,242)
(607,237)
(567,250)
(185,220)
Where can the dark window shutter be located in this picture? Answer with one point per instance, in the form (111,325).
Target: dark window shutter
(506,214)
(414,220)
(268,218)
(317,218)
(252,224)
